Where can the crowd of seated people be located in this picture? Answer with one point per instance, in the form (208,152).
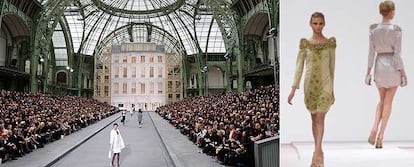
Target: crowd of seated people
(29,121)
(225,126)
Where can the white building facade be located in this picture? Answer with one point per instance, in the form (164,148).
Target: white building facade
(138,76)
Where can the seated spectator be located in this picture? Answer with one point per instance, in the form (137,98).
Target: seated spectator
(11,148)
(30,121)
(226,125)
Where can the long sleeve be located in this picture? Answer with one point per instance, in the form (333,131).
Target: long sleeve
(300,62)
(371,53)
(397,50)
(112,137)
(332,64)
(121,141)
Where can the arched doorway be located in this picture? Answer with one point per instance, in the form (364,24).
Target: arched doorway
(14,51)
(259,51)
(61,78)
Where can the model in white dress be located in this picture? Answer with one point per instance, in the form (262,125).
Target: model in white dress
(116,143)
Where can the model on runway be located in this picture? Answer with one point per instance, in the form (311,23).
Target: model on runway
(116,144)
(385,47)
(318,53)
(139,115)
(123,114)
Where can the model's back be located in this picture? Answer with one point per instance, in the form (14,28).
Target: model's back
(385,37)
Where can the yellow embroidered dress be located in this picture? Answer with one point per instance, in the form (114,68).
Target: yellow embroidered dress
(319,60)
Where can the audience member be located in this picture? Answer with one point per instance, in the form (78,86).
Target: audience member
(29,121)
(226,125)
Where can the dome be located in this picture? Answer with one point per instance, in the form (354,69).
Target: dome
(187,23)
(138,8)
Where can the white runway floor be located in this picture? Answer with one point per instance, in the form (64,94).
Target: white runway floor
(350,154)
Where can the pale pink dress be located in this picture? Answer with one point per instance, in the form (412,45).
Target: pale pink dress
(385,48)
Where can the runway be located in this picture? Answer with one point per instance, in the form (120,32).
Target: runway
(156,144)
(143,147)
(350,154)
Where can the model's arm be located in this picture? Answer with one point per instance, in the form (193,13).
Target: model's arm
(371,53)
(300,61)
(332,69)
(399,65)
(332,60)
(111,139)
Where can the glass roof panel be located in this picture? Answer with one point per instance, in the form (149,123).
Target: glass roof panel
(216,42)
(99,23)
(138,5)
(138,8)
(202,29)
(58,27)
(61,56)
(42,1)
(58,39)
(75,22)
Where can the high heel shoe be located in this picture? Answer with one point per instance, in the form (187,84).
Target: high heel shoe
(313,162)
(371,138)
(317,161)
(378,145)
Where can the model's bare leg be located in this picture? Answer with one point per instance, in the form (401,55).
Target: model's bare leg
(380,108)
(314,130)
(119,157)
(318,126)
(113,159)
(387,106)
(378,116)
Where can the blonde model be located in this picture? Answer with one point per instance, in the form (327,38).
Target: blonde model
(317,55)
(385,48)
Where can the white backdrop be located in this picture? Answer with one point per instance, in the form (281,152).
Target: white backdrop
(351,117)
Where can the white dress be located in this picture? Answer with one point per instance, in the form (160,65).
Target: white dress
(116,141)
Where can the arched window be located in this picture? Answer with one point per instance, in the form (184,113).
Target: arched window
(61,78)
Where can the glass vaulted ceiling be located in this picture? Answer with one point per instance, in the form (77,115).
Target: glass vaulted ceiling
(188,22)
(42,1)
(148,7)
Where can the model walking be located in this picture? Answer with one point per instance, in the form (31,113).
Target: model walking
(139,115)
(123,114)
(318,55)
(116,144)
(385,48)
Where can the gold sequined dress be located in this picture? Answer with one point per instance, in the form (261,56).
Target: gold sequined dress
(319,63)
